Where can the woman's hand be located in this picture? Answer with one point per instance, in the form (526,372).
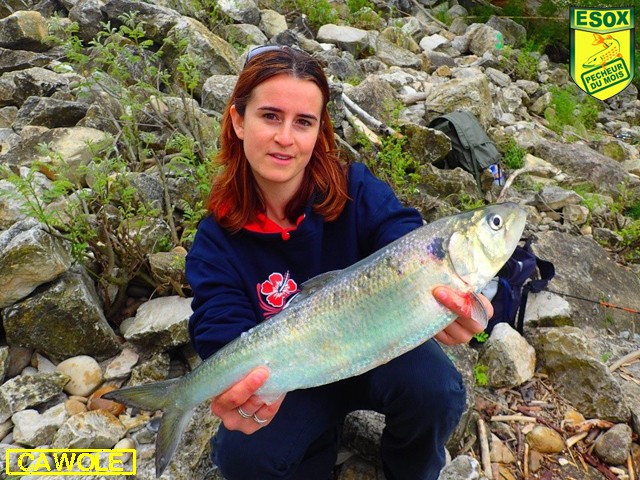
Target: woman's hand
(238,407)
(464,327)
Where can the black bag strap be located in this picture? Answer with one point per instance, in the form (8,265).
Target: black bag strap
(547,272)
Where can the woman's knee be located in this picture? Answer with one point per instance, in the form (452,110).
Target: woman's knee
(424,379)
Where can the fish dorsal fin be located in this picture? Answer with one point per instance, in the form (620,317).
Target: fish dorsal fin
(312,285)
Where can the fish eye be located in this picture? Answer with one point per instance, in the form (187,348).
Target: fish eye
(495,222)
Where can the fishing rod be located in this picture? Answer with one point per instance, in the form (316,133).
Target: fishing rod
(597,302)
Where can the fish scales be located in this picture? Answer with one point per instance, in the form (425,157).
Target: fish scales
(333,343)
(348,322)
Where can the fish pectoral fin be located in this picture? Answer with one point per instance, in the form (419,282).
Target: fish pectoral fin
(478,310)
(312,285)
(319,280)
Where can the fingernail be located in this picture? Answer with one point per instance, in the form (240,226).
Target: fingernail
(441,293)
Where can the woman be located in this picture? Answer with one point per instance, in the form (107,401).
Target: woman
(285,209)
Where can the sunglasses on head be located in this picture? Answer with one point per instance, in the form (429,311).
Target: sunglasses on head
(261,49)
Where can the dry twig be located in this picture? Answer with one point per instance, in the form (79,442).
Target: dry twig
(485,455)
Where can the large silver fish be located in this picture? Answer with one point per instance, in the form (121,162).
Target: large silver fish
(345,323)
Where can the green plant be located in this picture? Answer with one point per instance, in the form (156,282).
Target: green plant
(522,64)
(513,156)
(106,225)
(568,107)
(394,164)
(467,202)
(481,337)
(480,374)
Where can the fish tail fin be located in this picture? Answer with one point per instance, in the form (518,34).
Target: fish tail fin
(150,396)
(158,396)
(173,423)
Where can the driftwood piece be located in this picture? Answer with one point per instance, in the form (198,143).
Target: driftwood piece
(371,122)
(513,418)
(626,359)
(513,175)
(362,128)
(411,98)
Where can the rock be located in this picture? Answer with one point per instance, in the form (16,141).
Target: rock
(272,23)
(89,17)
(76,145)
(511,361)
(470,94)
(74,406)
(362,432)
(546,309)
(168,268)
(23,392)
(84,372)
(19,358)
(50,112)
(374,96)
(580,378)
(152,370)
(613,446)
(355,468)
(16,87)
(217,56)
(575,214)
(353,40)
(120,367)
(157,20)
(33,429)
(93,429)
(586,165)
(394,55)
(216,91)
(13,60)
(245,34)
(29,257)
(483,39)
(543,439)
(555,198)
(10,204)
(462,467)
(63,320)
(426,145)
(160,323)
(590,280)
(24,29)
(4,362)
(240,11)
(512,32)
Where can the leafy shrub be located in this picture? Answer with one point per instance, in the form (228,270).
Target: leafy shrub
(571,108)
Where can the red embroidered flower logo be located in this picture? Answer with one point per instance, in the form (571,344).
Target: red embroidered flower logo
(278,288)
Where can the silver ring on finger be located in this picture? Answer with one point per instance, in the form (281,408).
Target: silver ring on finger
(259,420)
(244,414)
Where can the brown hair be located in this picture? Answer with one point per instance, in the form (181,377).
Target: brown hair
(235,198)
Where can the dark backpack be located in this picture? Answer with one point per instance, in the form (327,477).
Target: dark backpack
(471,148)
(515,281)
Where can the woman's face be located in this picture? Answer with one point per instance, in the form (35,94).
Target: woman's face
(279,130)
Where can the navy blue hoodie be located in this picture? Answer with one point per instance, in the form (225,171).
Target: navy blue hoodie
(241,279)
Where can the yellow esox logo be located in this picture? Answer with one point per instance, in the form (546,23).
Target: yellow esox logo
(602,49)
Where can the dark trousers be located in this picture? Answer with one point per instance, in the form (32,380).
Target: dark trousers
(421,393)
